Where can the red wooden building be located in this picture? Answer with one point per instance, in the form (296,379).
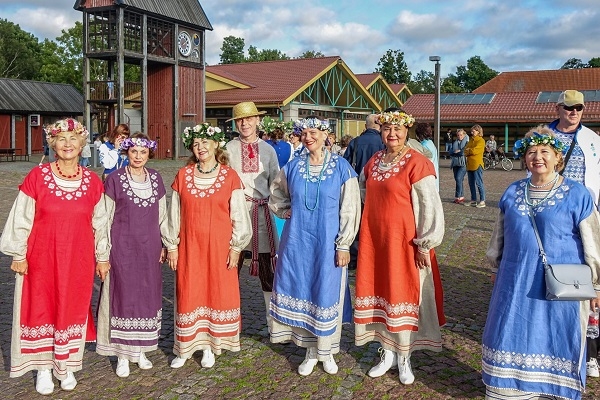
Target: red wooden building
(164,42)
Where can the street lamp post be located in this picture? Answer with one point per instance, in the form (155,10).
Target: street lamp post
(436,117)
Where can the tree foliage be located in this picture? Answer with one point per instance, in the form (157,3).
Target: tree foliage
(264,55)
(311,54)
(232,50)
(393,68)
(423,82)
(471,76)
(19,52)
(576,63)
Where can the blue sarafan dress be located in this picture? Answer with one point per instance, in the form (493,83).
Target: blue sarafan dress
(531,344)
(310,297)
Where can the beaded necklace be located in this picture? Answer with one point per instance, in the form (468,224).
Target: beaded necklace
(128,169)
(209,171)
(531,203)
(67,176)
(394,160)
(551,182)
(325,161)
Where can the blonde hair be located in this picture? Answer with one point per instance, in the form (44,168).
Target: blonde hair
(221,156)
(478,128)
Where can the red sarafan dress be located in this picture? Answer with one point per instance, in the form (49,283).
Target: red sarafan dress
(52,316)
(208,295)
(396,303)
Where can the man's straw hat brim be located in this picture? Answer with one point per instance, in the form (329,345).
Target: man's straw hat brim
(244,110)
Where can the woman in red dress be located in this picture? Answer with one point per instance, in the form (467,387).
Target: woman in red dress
(52,231)
(398,288)
(210,226)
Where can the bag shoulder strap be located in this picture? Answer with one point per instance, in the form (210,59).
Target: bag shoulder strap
(568,155)
(539,240)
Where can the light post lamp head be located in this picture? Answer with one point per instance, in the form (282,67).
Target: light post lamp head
(435,58)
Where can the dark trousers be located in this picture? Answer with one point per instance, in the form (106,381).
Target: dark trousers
(265,272)
(592,348)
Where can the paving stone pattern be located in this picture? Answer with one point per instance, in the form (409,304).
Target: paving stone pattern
(268,371)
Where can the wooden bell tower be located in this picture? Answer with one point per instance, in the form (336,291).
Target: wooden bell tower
(146,56)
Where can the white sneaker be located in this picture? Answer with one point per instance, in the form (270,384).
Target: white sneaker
(69,382)
(330,366)
(406,374)
(591,368)
(310,360)
(178,362)
(208,359)
(44,384)
(122,370)
(388,360)
(143,362)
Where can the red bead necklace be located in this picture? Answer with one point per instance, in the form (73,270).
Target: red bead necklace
(67,176)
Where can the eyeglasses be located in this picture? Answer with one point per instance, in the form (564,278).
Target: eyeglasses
(578,107)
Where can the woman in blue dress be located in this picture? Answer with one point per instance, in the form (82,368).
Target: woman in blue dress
(317,193)
(532,347)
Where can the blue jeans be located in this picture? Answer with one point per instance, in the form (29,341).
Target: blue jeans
(459,177)
(476,179)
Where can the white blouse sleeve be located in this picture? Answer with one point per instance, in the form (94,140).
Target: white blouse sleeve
(349,214)
(496,245)
(102,218)
(108,157)
(589,229)
(428,213)
(13,241)
(362,185)
(240,218)
(163,219)
(172,237)
(279,199)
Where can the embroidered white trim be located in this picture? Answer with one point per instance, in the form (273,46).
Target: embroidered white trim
(390,309)
(133,190)
(137,323)
(305,306)
(304,168)
(37,332)
(204,192)
(55,189)
(380,175)
(552,201)
(207,312)
(501,358)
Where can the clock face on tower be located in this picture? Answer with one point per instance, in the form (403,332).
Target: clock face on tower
(184,43)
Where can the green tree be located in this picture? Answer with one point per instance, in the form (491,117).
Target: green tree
(423,82)
(449,85)
(573,63)
(19,52)
(63,58)
(232,50)
(264,55)
(311,54)
(471,76)
(393,68)
(594,62)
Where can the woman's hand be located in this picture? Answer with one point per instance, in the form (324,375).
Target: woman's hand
(172,257)
(232,259)
(342,258)
(163,256)
(102,268)
(20,267)
(422,260)
(287,214)
(595,303)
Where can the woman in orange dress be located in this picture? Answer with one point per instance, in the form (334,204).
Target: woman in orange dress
(398,288)
(210,226)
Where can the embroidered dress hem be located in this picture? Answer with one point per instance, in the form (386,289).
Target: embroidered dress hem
(492,393)
(204,341)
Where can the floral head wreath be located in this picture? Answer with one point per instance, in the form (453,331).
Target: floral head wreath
(66,125)
(142,142)
(202,131)
(396,118)
(310,122)
(269,125)
(536,139)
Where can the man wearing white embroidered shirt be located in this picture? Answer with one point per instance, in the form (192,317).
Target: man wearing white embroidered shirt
(582,164)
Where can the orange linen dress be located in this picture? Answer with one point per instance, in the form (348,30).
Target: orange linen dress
(396,303)
(208,296)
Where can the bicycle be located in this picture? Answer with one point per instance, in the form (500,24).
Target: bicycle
(501,159)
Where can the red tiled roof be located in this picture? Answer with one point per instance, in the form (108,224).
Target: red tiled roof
(368,79)
(397,87)
(515,107)
(543,81)
(270,82)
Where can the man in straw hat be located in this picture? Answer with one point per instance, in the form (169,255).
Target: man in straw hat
(256,163)
(582,160)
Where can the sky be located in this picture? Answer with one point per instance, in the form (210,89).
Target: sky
(508,35)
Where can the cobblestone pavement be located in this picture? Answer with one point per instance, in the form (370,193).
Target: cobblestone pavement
(266,371)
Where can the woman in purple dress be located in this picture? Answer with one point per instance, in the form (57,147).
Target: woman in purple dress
(130,309)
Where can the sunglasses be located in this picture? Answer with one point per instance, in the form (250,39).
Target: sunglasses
(578,107)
